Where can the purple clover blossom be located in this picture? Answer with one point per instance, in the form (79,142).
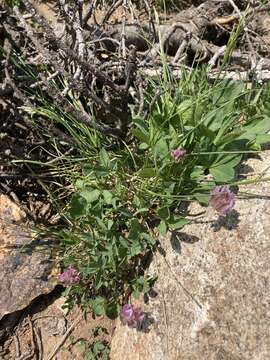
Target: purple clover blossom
(178,154)
(222,199)
(131,315)
(70,276)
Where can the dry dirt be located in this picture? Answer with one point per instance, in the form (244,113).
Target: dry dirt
(51,323)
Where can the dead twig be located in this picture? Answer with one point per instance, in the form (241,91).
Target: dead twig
(182,48)
(64,338)
(89,13)
(30,353)
(102,77)
(214,58)
(17,345)
(111,10)
(224,20)
(123,34)
(37,333)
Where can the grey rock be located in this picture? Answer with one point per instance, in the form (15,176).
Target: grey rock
(213,295)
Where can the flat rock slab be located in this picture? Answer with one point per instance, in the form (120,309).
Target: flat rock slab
(26,262)
(213,295)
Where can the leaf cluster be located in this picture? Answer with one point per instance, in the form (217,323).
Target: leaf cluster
(126,195)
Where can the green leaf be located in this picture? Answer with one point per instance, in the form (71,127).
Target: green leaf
(162,228)
(125,212)
(135,229)
(101,172)
(104,158)
(136,294)
(161,149)
(227,138)
(228,160)
(143,146)
(223,168)
(258,126)
(262,139)
(141,285)
(78,206)
(147,172)
(197,172)
(89,355)
(207,132)
(164,213)
(150,240)
(140,135)
(174,136)
(255,146)
(137,201)
(110,224)
(99,305)
(98,347)
(90,195)
(112,310)
(80,184)
(213,120)
(141,124)
(222,173)
(135,249)
(185,110)
(176,223)
(101,224)
(140,211)
(108,196)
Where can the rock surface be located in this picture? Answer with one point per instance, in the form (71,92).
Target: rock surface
(213,298)
(26,263)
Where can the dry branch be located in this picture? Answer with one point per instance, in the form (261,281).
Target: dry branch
(107,64)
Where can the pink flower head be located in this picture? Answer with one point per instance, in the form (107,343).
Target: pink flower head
(178,154)
(132,316)
(70,276)
(222,199)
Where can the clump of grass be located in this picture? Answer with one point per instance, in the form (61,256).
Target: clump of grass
(125,196)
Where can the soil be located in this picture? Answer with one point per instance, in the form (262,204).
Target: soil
(51,322)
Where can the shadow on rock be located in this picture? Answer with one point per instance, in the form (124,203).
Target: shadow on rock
(177,237)
(229,222)
(9,321)
(152,293)
(242,170)
(145,325)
